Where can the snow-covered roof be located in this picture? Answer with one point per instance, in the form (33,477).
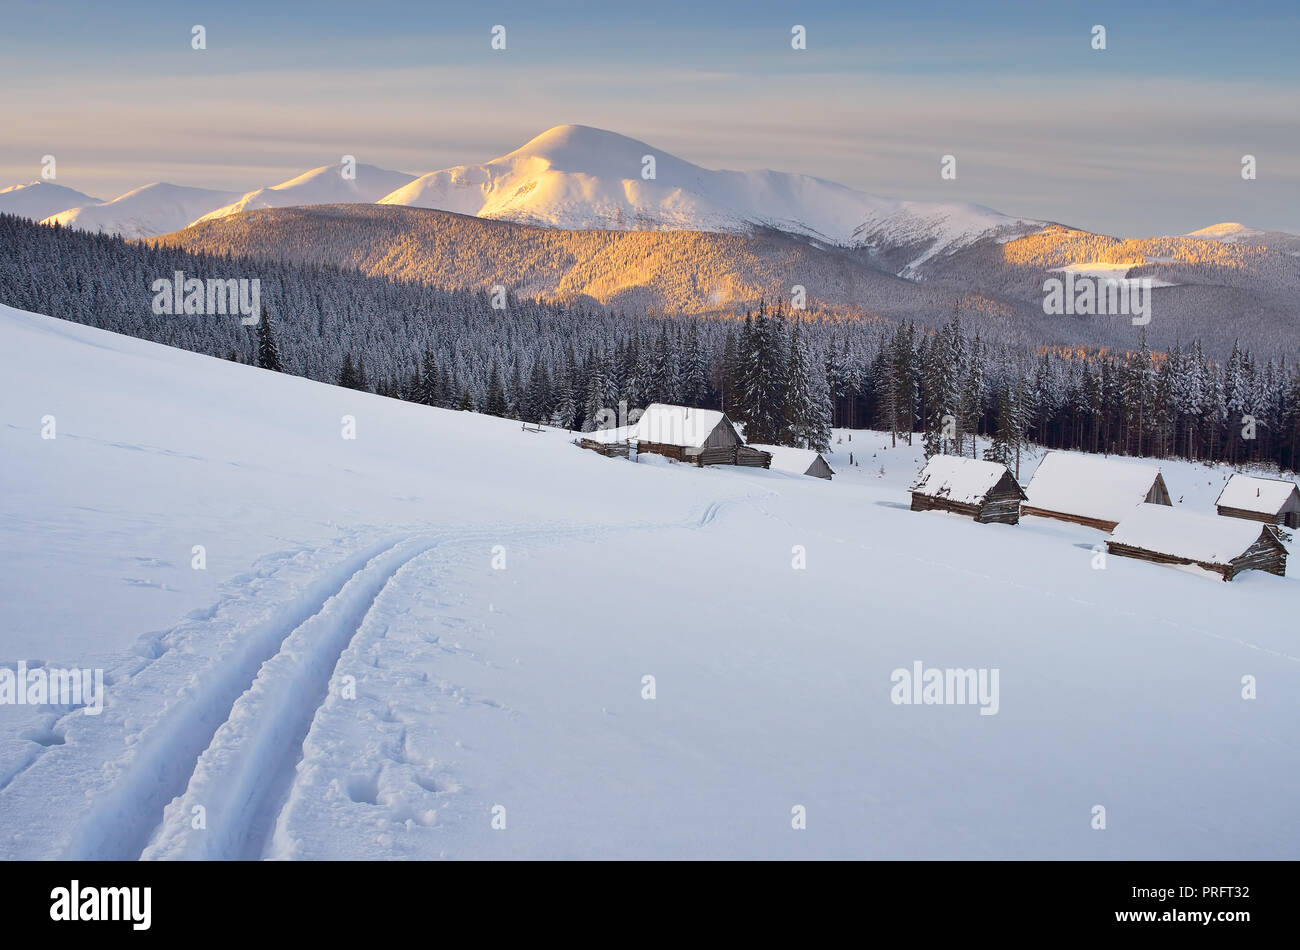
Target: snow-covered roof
(958,479)
(607,436)
(1088,486)
(786,458)
(1177,532)
(1251,493)
(676,425)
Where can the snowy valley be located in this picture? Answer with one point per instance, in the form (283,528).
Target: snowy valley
(433,638)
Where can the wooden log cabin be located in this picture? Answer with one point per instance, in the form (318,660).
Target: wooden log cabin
(796,461)
(682,433)
(1270,500)
(1091,490)
(985,491)
(698,436)
(1223,546)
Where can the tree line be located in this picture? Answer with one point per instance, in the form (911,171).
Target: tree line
(788,376)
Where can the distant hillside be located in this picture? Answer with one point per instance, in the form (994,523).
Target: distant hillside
(670,271)
(1220,292)
(1217,291)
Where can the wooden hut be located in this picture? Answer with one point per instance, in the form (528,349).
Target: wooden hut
(1270,500)
(1091,490)
(699,436)
(681,433)
(797,461)
(1225,546)
(985,491)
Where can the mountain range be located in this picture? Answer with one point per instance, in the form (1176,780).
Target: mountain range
(576,177)
(594,214)
(572,177)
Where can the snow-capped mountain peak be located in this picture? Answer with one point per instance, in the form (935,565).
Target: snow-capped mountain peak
(1234,232)
(329,184)
(152,209)
(577,177)
(1228,231)
(40,199)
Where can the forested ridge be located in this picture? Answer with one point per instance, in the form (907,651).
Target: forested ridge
(788,376)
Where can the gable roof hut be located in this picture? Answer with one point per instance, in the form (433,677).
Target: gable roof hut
(700,436)
(786,458)
(1226,546)
(1090,490)
(681,433)
(985,491)
(1271,500)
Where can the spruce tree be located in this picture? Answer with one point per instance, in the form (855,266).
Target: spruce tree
(933,401)
(429,383)
(268,352)
(694,373)
(806,421)
(348,375)
(762,384)
(495,404)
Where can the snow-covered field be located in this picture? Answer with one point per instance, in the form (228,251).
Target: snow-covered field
(403,641)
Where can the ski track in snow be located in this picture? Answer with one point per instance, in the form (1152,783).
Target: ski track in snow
(234,742)
(149,648)
(121,821)
(244,774)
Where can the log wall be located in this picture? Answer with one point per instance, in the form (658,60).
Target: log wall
(607,449)
(1263,555)
(1004,509)
(1245,515)
(733,455)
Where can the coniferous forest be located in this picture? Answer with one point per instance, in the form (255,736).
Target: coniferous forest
(788,376)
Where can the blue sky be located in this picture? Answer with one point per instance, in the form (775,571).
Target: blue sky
(1145,137)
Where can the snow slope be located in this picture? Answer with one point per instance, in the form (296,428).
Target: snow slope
(398,637)
(154,209)
(40,199)
(575,176)
(320,186)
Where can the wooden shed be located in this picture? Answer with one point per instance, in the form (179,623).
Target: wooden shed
(1092,490)
(699,436)
(985,491)
(1225,546)
(786,458)
(1270,500)
(680,432)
